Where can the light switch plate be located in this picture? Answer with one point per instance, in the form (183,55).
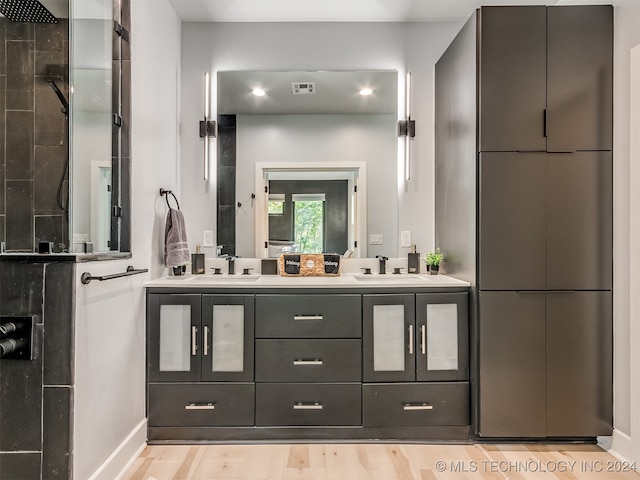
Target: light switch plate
(207,238)
(405,238)
(376,239)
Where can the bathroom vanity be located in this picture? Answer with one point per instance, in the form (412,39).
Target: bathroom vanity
(363,357)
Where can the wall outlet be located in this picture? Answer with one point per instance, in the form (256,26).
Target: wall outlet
(376,239)
(405,238)
(207,238)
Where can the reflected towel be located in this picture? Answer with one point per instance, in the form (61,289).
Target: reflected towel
(176,250)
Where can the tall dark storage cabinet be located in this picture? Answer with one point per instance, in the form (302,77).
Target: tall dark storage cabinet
(524,212)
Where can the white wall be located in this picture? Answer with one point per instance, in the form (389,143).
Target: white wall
(109,409)
(634,254)
(626,235)
(312,139)
(312,46)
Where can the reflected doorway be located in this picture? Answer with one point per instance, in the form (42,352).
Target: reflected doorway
(310,208)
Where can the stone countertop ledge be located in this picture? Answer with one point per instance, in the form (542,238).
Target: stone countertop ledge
(345,280)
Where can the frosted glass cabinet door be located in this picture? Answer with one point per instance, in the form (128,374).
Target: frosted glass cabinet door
(442,336)
(389,332)
(174,330)
(227,322)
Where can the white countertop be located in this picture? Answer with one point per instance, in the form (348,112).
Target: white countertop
(345,280)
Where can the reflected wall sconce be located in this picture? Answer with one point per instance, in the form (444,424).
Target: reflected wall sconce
(207,127)
(407,129)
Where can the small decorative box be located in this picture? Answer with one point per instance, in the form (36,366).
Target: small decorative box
(309,264)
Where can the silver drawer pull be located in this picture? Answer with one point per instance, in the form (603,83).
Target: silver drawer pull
(315,361)
(307,406)
(201,406)
(417,406)
(411,340)
(308,317)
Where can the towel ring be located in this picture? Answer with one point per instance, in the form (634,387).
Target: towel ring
(165,194)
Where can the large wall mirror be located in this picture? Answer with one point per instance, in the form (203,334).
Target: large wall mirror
(313,156)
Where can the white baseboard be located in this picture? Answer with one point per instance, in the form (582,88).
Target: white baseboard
(123,457)
(619,445)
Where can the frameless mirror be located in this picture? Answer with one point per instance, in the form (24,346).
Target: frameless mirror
(298,147)
(99,128)
(91,77)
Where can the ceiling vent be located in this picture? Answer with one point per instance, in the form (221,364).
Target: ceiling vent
(303,88)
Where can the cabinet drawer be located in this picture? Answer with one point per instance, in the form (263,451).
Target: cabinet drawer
(308,404)
(409,405)
(201,405)
(323,360)
(308,316)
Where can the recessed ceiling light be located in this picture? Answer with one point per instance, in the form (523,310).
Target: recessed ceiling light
(366,91)
(258,92)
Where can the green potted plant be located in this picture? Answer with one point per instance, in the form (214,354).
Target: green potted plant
(433,260)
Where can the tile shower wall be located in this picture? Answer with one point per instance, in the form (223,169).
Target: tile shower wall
(226,217)
(32,134)
(36,396)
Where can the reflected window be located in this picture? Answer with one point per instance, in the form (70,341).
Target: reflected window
(308,214)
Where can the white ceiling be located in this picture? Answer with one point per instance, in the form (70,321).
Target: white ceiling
(334,10)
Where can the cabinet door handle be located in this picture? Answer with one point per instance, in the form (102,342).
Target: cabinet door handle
(307,406)
(200,406)
(308,317)
(410,339)
(540,292)
(423,339)
(316,361)
(194,344)
(416,406)
(206,340)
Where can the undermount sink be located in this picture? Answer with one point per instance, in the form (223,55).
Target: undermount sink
(225,278)
(391,278)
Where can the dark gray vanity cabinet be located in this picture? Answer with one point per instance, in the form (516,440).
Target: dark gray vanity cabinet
(200,360)
(201,338)
(421,337)
(415,359)
(546,78)
(308,360)
(307,364)
(549,355)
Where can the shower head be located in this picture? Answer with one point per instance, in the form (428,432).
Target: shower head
(31,11)
(63,101)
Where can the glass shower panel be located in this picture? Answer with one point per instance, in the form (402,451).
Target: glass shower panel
(388,338)
(442,336)
(175,338)
(227,338)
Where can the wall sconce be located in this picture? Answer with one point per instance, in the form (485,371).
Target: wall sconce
(207,127)
(407,129)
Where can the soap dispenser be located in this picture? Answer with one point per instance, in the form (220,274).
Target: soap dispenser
(413,261)
(197,262)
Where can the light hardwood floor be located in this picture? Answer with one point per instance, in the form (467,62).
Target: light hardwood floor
(379,462)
